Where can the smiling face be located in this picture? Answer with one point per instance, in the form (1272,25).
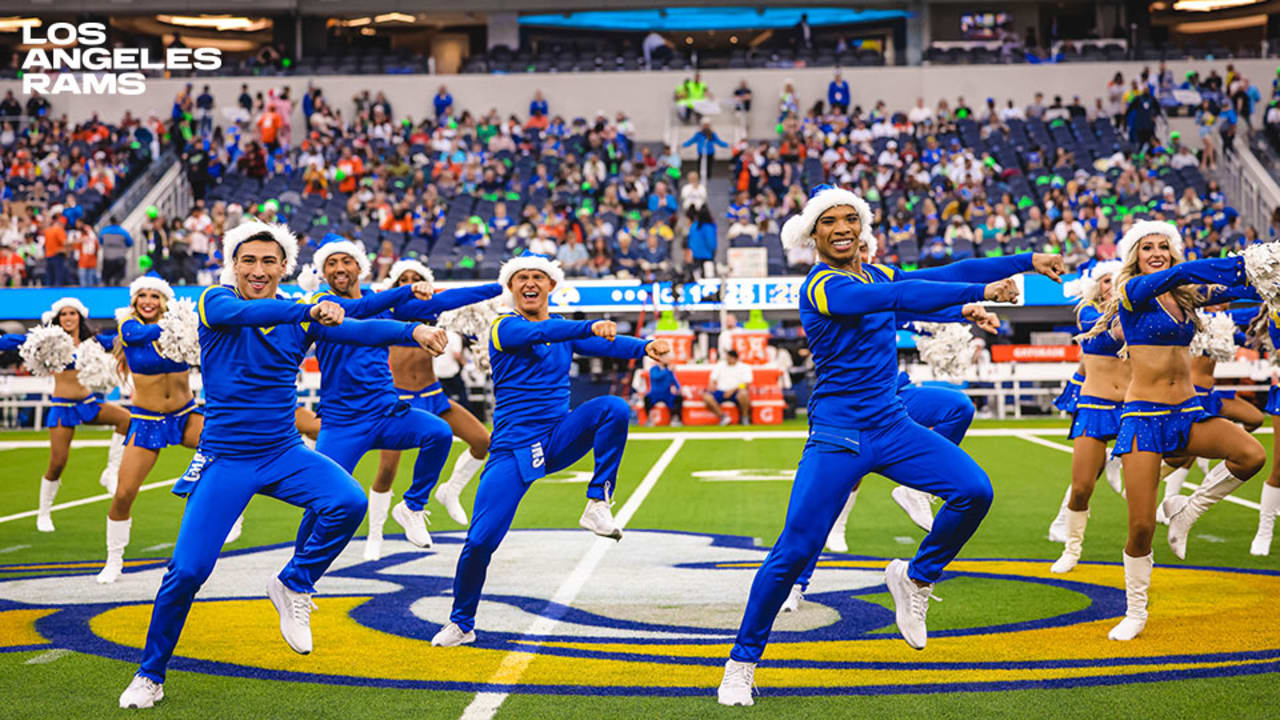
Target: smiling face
(342,272)
(149,305)
(259,266)
(1104,288)
(408,277)
(1154,254)
(69,320)
(837,234)
(531,288)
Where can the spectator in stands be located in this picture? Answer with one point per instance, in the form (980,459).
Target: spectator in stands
(204,111)
(543,243)
(12,268)
(664,389)
(1141,119)
(55,251)
(1068,225)
(538,106)
(442,103)
(838,95)
(788,102)
(10,108)
(730,381)
(115,242)
(694,192)
(689,94)
(700,246)
(653,258)
(1035,111)
(705,142)
(742,98)
(84,241)
(600,264)
(37,105)
(652,43)
(661,200)
(573,256)
(253,163)
(269,125)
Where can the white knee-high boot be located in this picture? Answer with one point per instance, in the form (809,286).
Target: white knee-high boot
(1266,521)
(379,506)
(1115,476)
(448,493)
(1172,488)
(44,513)
(111,473)
(117,541)
(835,538)
(1184,510)
(1058,528)
(1137,583)
(1076,522)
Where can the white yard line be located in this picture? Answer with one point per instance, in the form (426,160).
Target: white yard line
(35,444)
(486,704)
(86,501)
(1057,446)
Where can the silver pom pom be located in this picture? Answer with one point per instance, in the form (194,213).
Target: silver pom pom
(96,367)
(1262,268)
(479,352)
(472,320)
(179,333)
(947,348)
(309,278)
(47,350)
(1218,338)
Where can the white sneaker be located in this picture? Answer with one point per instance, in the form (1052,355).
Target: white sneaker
(1261,545)
(234,534)
(142,693)
(414,523)
(725,420)
(44,522)
(373,546)
(448,495)
(675,422)
(451,636)
(1127,629)
(295,615)
(915,504)
(911,604)
(1179,527)
(111,570)
(792,603)
(597,518)
(738,683)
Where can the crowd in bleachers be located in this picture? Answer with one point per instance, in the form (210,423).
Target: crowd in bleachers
(59,178)
(955,181)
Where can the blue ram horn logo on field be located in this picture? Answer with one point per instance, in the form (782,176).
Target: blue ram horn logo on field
(657,617)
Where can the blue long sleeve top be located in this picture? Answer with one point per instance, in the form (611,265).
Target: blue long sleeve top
(850,320)
(11,341)
(530,363)
(1146,321)
(1104,344)
(249,353)
(138,339)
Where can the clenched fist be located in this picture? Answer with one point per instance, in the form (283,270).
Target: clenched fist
(658,349)
(422,290)
(431,339)
(606,329)
(982,317)
(1005,290)
(328,312)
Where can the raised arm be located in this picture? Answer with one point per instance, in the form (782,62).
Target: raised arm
(980,270)
(428,310)
(837,294)
(623,347)
(509,333)
(954,314)
(368,304)
(136,332)
(1145,288)
(365,332)
(11,341)
(1219,294)
(220,306)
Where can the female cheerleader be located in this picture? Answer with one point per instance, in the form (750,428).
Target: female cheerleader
(73,405)
(1097,416)
(1162,413)
(164,410)
(1261,544)
(415,379)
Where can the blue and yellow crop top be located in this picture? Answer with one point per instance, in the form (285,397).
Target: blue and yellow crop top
(1146,321)
(141,351)
(1106,344)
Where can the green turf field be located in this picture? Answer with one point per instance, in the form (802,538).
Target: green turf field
(640,629)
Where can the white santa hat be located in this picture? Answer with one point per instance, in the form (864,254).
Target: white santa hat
(59,305)
(547,266)
(239,234)
(150,282)
(798,231)
(401,267)
(343,247)
(1143,228)
(1088,280)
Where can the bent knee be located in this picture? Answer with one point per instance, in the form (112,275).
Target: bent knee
(615,408)
(189,576)
(1252,460)
(976,494)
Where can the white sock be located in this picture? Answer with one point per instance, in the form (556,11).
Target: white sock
(843,520)
(116,452)
(1270,506)
(118,535)
(1173,482)
(379,506)
(48,491)
(464,470)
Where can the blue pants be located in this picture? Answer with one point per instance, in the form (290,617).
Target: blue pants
(834,461)
(599,425)
(401,429)
(946,411)
(297,476)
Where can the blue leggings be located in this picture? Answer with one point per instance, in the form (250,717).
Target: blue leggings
(297,476)
(946,411)
(599,424)
(405,430)
(904,452)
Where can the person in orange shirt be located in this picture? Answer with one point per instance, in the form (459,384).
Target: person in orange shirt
(350,168)
(269,123)
(85,243)
(55,253)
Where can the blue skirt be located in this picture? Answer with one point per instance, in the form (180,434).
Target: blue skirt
(430,398)
(155,430)
(1066,401)
(1157,427)
(1095,418)
(1273,401)
(70,413)
(1212,399)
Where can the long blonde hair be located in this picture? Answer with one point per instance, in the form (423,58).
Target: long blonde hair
(1186,297)
(117,348)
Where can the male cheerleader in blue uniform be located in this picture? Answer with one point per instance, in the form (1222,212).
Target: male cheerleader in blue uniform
(534,431)
(359,404)
(858,423)
(250,346)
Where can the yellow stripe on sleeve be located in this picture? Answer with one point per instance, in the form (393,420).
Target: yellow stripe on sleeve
(887,270)
(203,320)
(819,292)
(814,282)
(493,331)
(1124,298)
